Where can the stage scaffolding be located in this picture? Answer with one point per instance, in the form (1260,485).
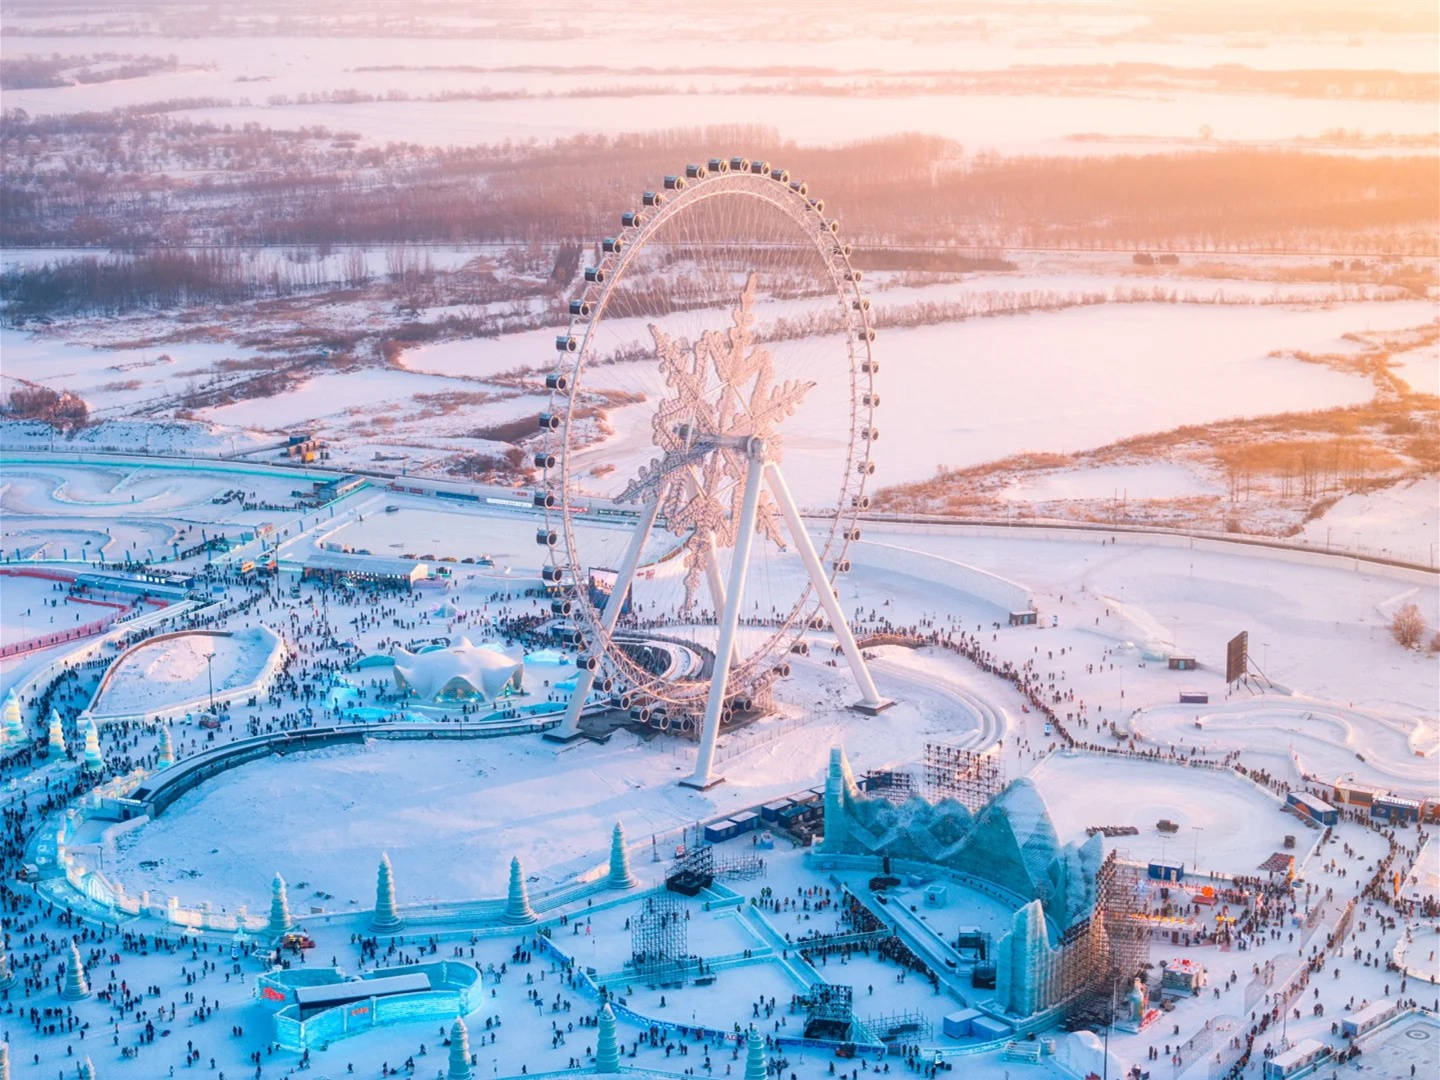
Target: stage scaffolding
(1101,954)
(660,939)
(893,785)
(910,1026)
(1120,890)
(829,1011)
(970,777)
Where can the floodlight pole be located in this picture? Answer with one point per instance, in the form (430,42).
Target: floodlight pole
(870,699)
(210,678)
(725,649)
(610,614)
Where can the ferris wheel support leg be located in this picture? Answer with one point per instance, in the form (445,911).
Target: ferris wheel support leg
(609,616)
(870,699)
(729,622)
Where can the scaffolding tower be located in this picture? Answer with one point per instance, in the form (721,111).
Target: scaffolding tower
(829,1011)
(739,867)
(893,785)
(1120,890)
(909,1026)
(970,777)
(660,939)
(692,870)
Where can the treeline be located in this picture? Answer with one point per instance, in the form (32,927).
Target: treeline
(1044,79)
(42,72)
(314,187)
(111,284)
(62,408)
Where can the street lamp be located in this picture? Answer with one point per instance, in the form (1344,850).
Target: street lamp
(210,678)
(1195,866)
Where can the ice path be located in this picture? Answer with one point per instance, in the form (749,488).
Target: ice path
(1321,738)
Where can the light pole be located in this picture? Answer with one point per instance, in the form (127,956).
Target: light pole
(1195,865)
(210,678)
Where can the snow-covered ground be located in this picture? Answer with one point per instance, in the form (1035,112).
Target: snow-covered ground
(1420,368)
(952,392)
(417,526)
(172,670)
(109,378)
(1424,877)
(1117,482)
(323,817)
(1403,521)
(132,490)
(1225,822)
(26,612)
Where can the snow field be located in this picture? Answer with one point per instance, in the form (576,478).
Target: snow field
(324,817)
(168,671)
(1119,482)
(1233,824)
(1322,739)
(127,491)
(1400,522)
(25,610)
(950,390)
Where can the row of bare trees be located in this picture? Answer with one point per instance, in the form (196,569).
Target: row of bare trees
(152,179)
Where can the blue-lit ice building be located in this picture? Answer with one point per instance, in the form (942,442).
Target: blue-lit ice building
(1062,940)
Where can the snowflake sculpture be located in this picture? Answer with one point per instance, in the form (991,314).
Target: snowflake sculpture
(722,391)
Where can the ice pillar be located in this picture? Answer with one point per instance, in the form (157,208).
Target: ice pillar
(385,920)
(279,909)
(517,903)
(607,1049)
(620,875)
(459,1052)
(75,986)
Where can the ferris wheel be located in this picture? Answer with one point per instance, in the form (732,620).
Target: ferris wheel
(706,448)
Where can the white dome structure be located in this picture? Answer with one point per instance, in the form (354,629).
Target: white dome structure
(460,672)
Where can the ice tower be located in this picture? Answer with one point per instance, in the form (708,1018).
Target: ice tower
(607,1049)
(756,1067)
(14,726)
(1021,960)
(75,986)
(94,760)
(459,1052)
(517,903)
(279,909)
(620,875)
(385,920)
(165,757)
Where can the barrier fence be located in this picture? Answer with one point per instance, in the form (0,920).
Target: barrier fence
(45,641)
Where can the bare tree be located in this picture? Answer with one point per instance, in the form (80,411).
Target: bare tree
(1408,626)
